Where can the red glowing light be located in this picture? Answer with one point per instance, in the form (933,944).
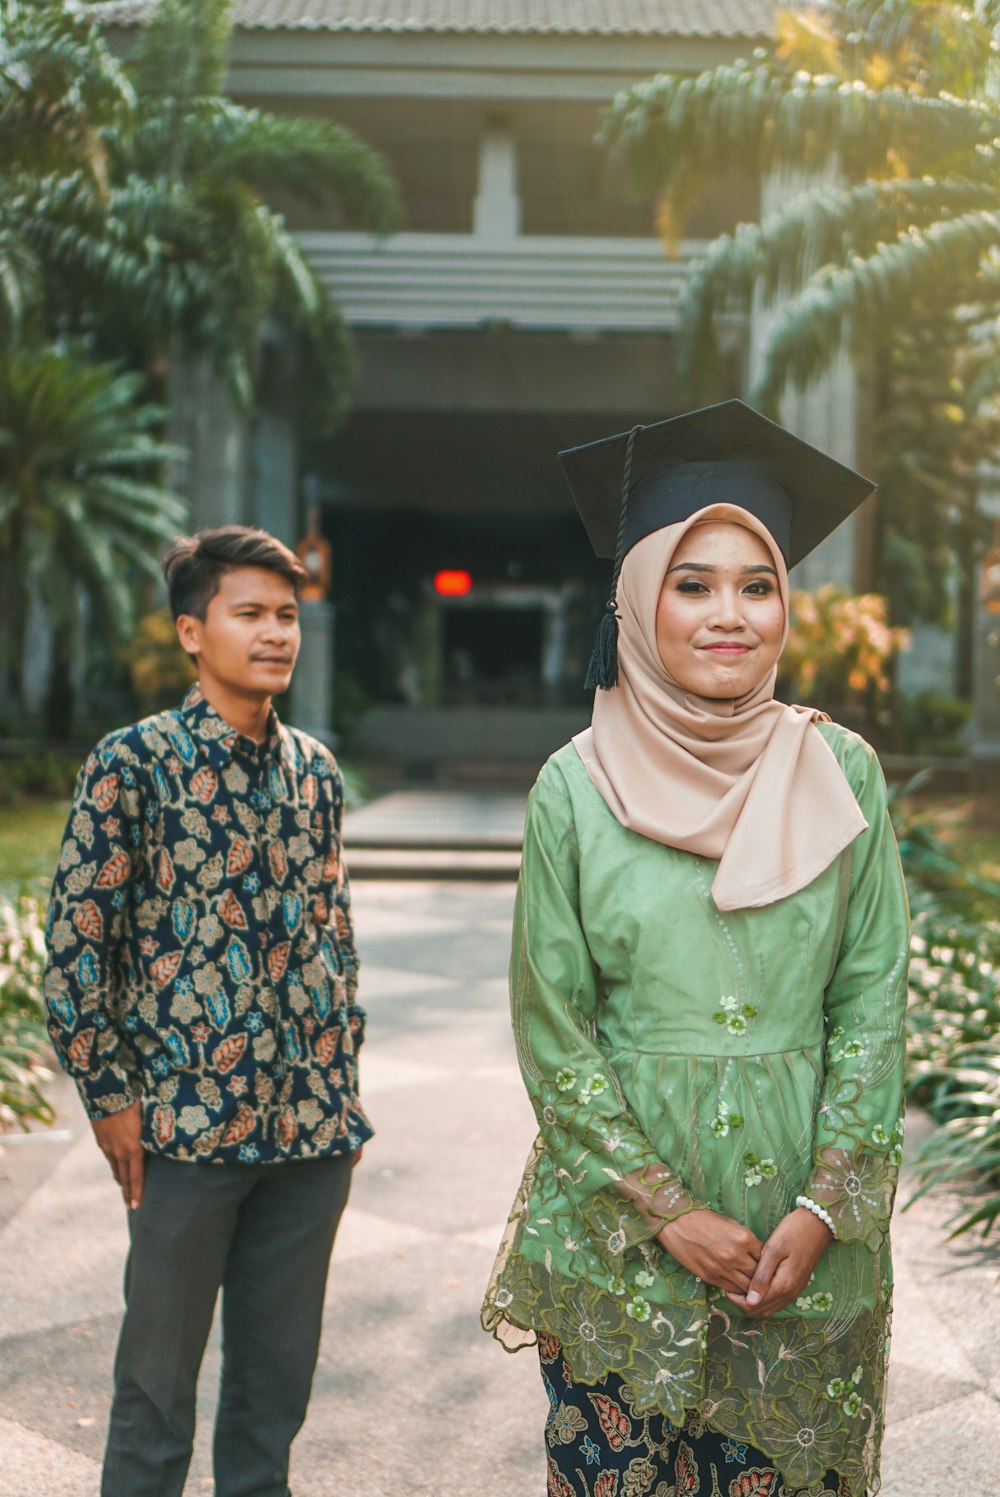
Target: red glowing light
(453,584)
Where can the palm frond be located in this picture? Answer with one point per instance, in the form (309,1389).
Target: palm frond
(755,117)
(182,52)
(308,157)
(20,281)
(821,226)
(60,85)
(858,293)
(149,228)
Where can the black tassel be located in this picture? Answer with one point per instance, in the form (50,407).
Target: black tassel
(602,671)
(603,668)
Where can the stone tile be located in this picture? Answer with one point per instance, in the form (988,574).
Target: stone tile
(61,1256)
(951,1450)
(362,1234)
(923,1339)
(396,918)
(385,1072)
(58,1385)
(380,982)
(36,1466)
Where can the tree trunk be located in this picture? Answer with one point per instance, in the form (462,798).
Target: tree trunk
(970,536)
(60,695)
(15,596)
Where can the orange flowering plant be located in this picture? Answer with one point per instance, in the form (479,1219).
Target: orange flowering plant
(839,648)
(159,670)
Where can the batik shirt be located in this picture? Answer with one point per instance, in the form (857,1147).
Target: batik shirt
(201,953)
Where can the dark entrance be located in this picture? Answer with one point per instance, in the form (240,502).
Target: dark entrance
(492,655)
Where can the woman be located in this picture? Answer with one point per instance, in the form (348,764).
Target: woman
(708,988)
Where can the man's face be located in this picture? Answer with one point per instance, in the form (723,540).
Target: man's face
(249,638)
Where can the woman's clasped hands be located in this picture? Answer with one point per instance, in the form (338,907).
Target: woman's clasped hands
(758,1277)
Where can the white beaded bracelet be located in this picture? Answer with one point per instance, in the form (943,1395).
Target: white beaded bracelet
(816,1210)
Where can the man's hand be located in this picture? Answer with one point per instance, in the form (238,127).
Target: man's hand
(713,1247)
(786,1263)
(356,1157)
(119,1140)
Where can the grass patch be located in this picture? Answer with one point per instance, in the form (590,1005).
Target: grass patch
(30,833)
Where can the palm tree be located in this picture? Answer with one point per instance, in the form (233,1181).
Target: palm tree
(80,513)
(897,100)
(135,225)
(61,93)
(134,205)
(883,114)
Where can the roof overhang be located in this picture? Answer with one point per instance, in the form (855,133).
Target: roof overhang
(326,48)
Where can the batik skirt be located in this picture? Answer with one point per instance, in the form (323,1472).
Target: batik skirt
(598,1445)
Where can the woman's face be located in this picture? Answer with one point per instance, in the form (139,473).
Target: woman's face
(720,620)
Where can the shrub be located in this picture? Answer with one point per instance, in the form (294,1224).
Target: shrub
(954,1013)
(930,722)
(839,649)
(158,668)
(52,775)
(23,1041)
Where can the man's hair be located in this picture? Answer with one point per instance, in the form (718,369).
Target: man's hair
(194,564)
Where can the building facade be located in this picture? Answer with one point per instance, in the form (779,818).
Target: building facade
(527,304)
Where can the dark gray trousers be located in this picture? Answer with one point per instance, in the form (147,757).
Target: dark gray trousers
(263,1235)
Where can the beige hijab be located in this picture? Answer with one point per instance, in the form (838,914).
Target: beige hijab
(746,780)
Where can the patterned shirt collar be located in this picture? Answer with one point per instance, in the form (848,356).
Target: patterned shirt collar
(220,740)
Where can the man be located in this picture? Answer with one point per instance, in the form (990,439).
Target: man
(200,989)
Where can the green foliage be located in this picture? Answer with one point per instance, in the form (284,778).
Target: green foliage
(31,831)
(141,217)
(896,259)
(60,88)
(80,512)
(76,504)
(954,1010)
(933,873)
(901,108)
(44,774)
(23,1041)
(937,424)
(931,722)
(954,1059)
(183,52)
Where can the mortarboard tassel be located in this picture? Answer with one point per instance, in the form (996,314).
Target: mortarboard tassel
(603,668)
(602,671)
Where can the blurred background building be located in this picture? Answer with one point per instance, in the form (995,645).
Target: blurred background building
(528,304)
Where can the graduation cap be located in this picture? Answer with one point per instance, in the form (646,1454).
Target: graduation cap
(629,485)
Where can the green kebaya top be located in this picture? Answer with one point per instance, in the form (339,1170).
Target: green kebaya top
(676,1057)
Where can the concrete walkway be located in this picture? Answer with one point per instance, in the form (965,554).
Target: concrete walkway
(411,1397)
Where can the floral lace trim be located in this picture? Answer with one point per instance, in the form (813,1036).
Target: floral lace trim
(857,1189)
(809,1396)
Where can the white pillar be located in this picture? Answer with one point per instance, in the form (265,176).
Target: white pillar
(825,414)
(275,473)
(312,683)
(205,420)
(497,209)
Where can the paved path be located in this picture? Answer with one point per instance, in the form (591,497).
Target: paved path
(411,1397)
